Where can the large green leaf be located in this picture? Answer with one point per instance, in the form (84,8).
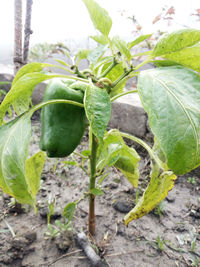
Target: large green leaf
(138,40)
(19,176)
(99,17)
(156,191)
(20,92)
(188,57)
(33,167)
(114,151)
(98,109)
(171,97)
(121,45)
(175,41)
(14,140)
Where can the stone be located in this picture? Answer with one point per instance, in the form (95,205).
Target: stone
(122,206)
(129,116)
(38,92)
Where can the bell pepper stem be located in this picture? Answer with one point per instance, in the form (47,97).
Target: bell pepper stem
(93,157)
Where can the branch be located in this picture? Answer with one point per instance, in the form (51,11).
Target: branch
(27,30)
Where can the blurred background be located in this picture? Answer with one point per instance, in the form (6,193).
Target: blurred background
(67,22)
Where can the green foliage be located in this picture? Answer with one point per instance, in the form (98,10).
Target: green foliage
(42,51)
(176,41)
(99,16)
(98,109)
(170,95)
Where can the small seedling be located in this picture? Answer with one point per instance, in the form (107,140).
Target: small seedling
(160,243)
(191,180)
(52,232)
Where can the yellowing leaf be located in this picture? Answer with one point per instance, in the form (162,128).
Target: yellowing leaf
(34,166)
(156,191)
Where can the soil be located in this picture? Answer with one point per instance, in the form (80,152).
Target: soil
(168,236)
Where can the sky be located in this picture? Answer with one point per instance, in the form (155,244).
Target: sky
(59,20)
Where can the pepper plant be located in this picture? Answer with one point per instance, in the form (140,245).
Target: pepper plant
(170,94)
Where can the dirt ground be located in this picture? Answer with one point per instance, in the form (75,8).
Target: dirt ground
(168,236)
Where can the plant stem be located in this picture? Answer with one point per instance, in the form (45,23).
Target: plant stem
(122,94)
(114,63)
(122,77)
(91,218)
(55,101)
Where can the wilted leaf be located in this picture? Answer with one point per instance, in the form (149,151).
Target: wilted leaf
(34,166)
(156,191)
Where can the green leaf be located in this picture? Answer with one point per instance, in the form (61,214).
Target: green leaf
(114,151)
(96,192)
(164,63)
(86,153)
(171,97)
(188,57)
(98,109)
(82,54)
(14,140)
(96,53)
(138,40)
(176,41)
(34,167)
(113,75)
(20,92)
(69,210)
(128,164)
(121,45)
(99,39)
(29,68)
(99,17)
(74,163)
(109,151)
(4,83)
(61,62)
(156,191)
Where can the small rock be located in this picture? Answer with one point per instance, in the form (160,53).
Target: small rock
(63,243)
(180,228)
(121,230)
(19,243)
(170,198)
(112,185)
(31,236)
(195,214)
(43,178)
(122,206)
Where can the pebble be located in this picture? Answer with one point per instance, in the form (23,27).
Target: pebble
(122,206)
